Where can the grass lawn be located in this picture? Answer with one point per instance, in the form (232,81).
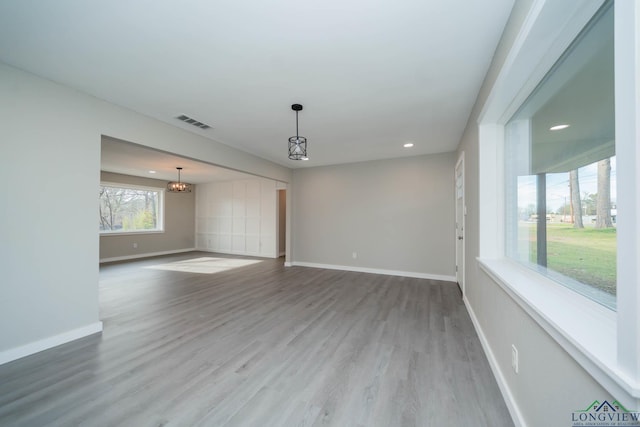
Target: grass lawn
(587,255)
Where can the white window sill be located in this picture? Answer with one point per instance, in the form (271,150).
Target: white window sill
(584,328)
(131,233)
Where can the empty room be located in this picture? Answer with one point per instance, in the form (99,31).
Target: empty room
(320,213)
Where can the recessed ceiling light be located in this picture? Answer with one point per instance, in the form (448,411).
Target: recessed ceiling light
(558,127)
(152,171)
(408,145)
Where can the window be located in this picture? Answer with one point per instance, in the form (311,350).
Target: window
(606,343)
(130,209)
(560,169)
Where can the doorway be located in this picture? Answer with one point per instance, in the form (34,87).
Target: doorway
(282,222)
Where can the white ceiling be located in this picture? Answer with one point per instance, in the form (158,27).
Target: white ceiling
(132,159)
(371,74)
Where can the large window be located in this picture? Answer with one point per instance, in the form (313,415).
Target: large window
(561,169)
(130,209)
(530,238)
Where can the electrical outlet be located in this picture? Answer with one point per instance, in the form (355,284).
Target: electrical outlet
(135,246)
(354,255)
(514,359)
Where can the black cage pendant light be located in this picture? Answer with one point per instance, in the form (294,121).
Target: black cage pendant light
(178,187)
(297,144)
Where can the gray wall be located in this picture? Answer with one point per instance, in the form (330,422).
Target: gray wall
(396,214)
(49,239)
(50,140)
(551,384)
(179,223)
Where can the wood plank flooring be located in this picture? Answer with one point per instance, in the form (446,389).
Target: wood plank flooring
(261,345)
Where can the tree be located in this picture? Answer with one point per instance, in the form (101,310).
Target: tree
(564,209)
(124,208)
(603,201)
(589,202)
(525,213)
(576,205)
(110,201)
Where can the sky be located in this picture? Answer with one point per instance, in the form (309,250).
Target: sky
(558,186)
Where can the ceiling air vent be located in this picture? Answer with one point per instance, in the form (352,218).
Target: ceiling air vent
(194,122)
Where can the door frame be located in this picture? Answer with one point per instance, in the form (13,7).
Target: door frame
(279,241)
(460,212)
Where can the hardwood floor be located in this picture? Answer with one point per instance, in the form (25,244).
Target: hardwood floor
(260,345)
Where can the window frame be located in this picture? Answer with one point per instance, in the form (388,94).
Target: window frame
(605,343)
(161,204)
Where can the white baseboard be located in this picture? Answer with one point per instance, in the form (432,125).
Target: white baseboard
(512,406)
(288,264)
(146,255)
(254,255)
(376,271)
(50,342)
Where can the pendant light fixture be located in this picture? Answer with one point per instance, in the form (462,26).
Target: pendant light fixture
(178,187)
(297,144)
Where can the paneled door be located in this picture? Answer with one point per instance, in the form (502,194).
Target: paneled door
(460,219)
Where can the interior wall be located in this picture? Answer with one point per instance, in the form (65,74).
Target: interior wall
(395,215)
(49,243)
(550,384)
(237,217)
(50,139)
(179,224)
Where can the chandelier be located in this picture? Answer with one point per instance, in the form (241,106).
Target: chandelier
(297,144)
(178,187)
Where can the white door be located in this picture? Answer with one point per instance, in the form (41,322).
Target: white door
(460,218)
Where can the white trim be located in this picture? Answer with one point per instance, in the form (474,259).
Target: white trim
(239,253)
(288,264)
(500,101)
(627,108)
(129,232)
(533,53)
(570,319)
(377,271)
(583,328)
(491,190)
(50,342)
(146,255)
(161,208)
(463,215)
(508,397)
